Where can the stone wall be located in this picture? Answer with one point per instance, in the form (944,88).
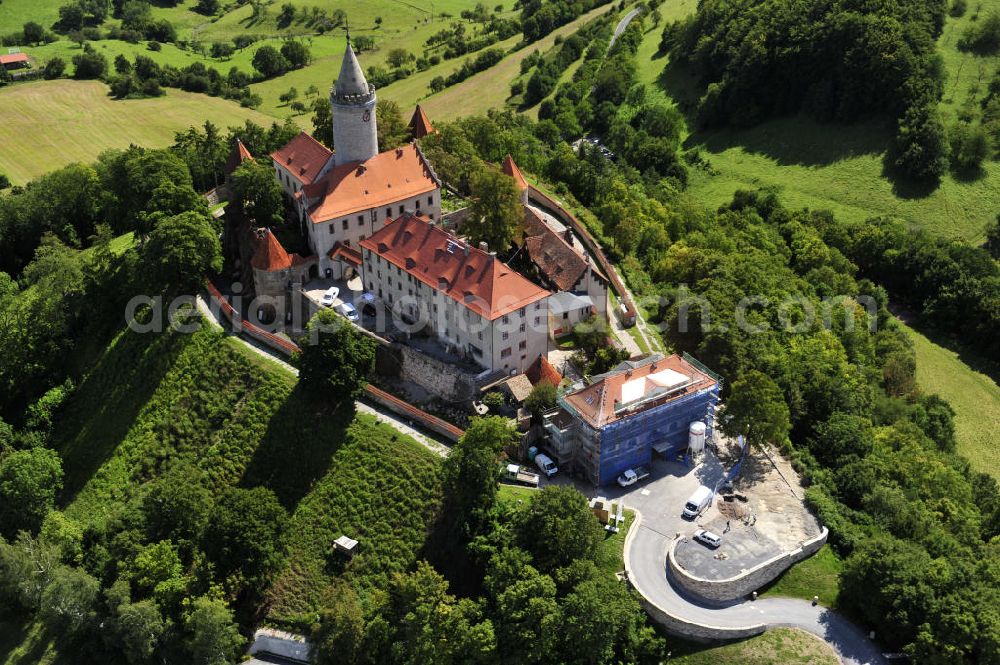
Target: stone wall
(435,376)
(696,631)
(720,591)
(699,632)
(274,642)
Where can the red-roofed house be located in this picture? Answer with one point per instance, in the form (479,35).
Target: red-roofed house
(345,196)
(12,61)
(473,302)
(300,161)
(624,416)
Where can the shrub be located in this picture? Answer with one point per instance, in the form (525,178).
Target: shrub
(54,68)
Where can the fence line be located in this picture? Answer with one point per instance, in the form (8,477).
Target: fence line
(389,401)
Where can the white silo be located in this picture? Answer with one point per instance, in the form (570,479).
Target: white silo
(696,437)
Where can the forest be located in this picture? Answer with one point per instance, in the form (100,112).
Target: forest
(839,61)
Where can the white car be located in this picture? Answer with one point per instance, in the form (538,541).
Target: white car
(708,538)
(347,309)
(330,295)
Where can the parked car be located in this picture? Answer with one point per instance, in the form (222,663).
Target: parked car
(708,538)
(632,476)
(546,465)
(697,502)
(347,309)
(330,295)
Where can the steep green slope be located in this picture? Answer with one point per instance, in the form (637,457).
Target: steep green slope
(155,400)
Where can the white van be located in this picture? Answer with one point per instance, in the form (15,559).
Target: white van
(697,502)
(546,465)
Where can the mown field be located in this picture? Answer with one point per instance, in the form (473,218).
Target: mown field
(973,394)
(153,401)
(837,167)
(47,124)
(404,25)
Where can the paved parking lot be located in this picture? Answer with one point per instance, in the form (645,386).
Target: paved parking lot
(741,549)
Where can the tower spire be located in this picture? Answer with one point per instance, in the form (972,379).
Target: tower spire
(351,80)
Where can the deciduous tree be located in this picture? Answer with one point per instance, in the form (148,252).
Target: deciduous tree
(336,359)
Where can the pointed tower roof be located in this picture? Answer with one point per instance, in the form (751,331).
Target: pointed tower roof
(420,124)
(237,156)
(351,81)
(270,256)
(510,168)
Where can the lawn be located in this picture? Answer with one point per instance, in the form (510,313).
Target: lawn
(973,394)
(831,166)
(15,13)
(819,575)
(778,646)
(159,399)
(47,124)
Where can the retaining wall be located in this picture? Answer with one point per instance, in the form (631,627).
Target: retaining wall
(719,591)
(407,410)
(391,402)
(692,630)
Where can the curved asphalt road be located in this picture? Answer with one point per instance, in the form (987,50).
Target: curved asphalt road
(645,561)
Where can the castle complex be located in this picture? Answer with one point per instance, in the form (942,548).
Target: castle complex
(377,216)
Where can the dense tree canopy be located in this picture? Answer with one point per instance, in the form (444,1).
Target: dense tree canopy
(30,480)
(841,60)
(336,359)
(181,251)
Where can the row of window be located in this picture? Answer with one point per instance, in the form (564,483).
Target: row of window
(346,223)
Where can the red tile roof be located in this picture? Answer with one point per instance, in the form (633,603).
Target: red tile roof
(342,251)
(654,381)
(510,168)
(384,179)
(13,58)
(270,256)
(542,370)
(420,124)
(560,263)
(237,156)
(303,156)
(466,274)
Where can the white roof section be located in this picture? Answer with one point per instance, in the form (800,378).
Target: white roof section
(564,301)
(636,389)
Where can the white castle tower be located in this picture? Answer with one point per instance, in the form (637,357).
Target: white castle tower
(352,105)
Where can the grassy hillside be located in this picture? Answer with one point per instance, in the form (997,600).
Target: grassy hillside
(974,395)
(47,124)
(780,646)
(819,575)
(483,91)
(156,400)
(836,167)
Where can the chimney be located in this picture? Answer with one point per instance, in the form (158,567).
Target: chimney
(493,255)
(466,248)
(568,235)
(484,246)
